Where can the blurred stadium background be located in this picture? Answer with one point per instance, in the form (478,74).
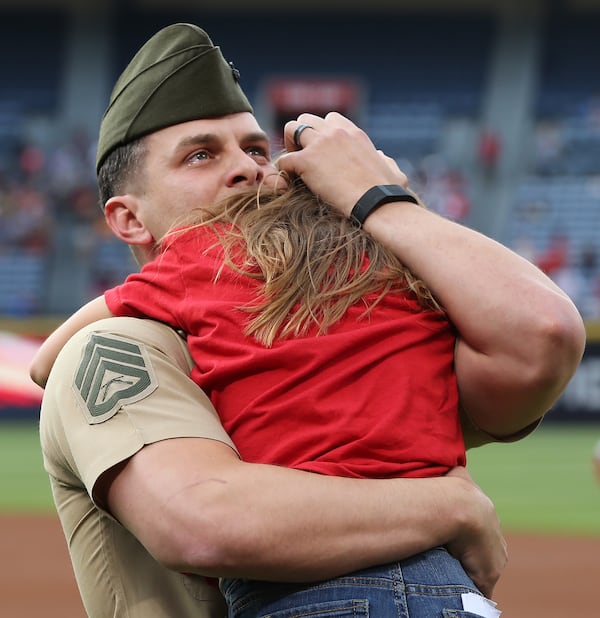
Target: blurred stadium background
(492,107)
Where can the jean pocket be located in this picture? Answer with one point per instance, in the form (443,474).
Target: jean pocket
(326,609)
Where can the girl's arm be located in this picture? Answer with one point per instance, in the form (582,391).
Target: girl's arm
(40,367)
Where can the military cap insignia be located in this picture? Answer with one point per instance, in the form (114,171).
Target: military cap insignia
(235,72)
(112,372)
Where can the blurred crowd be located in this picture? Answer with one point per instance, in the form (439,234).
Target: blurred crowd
(50,218)
(51,224)
(41,189)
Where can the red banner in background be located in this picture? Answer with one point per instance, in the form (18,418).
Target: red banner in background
(16,387)
(283,98)
(293,96)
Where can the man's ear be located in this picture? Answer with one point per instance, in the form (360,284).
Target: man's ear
(121,216)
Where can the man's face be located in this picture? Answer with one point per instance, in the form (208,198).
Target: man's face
(200,162)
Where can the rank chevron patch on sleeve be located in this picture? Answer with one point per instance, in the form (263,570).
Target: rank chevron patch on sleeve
(112,372)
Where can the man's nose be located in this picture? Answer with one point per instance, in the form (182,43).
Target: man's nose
(245,171)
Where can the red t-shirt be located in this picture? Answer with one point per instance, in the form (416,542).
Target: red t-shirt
(375,397)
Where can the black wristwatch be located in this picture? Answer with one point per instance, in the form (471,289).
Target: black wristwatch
(377,196)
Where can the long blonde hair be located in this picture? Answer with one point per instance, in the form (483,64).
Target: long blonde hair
(310,259)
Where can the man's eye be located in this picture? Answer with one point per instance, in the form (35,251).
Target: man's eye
(201,155)
(257,151)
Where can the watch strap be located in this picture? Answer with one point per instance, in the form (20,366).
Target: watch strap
(377,196)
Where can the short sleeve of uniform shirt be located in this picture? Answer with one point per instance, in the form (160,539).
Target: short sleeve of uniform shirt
(117,385)
(131,388)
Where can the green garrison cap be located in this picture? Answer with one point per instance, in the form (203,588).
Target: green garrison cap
(178,75)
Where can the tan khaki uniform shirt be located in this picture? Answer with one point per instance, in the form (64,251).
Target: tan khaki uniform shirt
(102,404)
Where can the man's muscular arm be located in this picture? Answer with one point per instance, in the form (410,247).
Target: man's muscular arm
(198,508)
(520,336)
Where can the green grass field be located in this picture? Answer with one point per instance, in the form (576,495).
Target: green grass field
(24,484)
(543,484)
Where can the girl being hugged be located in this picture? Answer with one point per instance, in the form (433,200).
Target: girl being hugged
(317,347)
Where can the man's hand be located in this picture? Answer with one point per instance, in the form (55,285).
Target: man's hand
(481,549)
(337,160)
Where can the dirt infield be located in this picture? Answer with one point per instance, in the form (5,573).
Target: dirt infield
(547,577)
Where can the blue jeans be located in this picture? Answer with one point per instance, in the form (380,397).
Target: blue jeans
(428,585)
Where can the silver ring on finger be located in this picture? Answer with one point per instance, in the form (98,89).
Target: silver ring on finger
(298,133)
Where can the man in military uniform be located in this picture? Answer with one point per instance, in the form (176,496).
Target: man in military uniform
(149,489)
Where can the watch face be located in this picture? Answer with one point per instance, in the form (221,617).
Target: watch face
(377,196)
(391,190)
(395,191)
